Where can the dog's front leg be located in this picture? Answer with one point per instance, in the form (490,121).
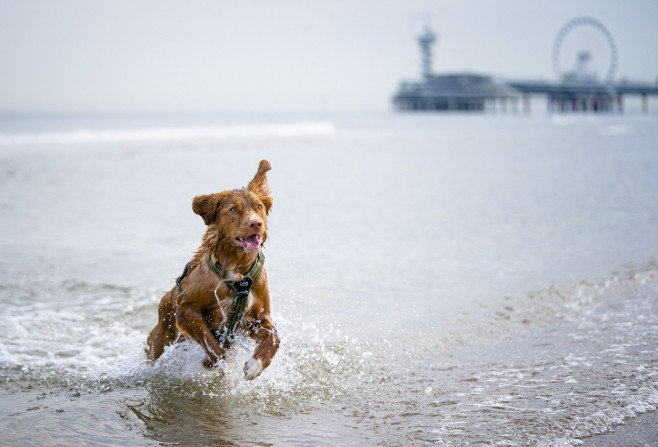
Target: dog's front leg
(190,320)
(267,340)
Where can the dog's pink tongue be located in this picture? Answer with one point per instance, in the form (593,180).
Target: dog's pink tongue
(252,243)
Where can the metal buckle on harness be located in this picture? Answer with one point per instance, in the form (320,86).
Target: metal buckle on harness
(243,286)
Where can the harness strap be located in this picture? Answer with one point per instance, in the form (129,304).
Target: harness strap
(240,290)
(186,270)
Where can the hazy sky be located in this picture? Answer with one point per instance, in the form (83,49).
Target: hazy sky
(93,55)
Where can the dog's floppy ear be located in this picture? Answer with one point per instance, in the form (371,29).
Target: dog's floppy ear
(259,184)
(205,206)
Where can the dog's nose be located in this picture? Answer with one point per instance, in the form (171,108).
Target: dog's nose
(255,224)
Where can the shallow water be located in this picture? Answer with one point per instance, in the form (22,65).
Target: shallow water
(435,279)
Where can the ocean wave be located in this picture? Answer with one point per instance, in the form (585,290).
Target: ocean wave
(96,342)
(582,365)
(157,134)
(535,380)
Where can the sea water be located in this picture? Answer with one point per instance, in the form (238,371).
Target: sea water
(435,279)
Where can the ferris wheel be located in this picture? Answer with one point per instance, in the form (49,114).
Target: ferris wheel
(582,42)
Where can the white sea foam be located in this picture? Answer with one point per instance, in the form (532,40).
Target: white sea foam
(158,134)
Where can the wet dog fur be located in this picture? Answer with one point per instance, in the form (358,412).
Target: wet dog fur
(236,230)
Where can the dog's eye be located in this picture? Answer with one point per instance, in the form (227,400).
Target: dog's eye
(260,207)
(234,209)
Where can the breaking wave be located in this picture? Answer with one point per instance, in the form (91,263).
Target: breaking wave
(159,134)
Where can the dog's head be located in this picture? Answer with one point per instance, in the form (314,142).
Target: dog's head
(239,216)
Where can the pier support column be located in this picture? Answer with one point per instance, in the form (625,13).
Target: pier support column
(526,104)
(645,104)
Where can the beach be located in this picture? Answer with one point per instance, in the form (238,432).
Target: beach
(435,279)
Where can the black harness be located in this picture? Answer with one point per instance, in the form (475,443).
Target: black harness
(240,291)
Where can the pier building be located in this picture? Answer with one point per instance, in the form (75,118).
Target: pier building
(468,92)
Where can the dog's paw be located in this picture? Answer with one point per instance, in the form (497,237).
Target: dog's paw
(207,363)
(216,365)
(252,368)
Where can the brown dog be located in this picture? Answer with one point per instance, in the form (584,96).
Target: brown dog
(213,297)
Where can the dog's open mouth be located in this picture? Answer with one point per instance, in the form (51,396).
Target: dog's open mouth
(249,244)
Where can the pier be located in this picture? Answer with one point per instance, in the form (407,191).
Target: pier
(575,91)
(585,97)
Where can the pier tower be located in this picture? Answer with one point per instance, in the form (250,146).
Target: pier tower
(426,41)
